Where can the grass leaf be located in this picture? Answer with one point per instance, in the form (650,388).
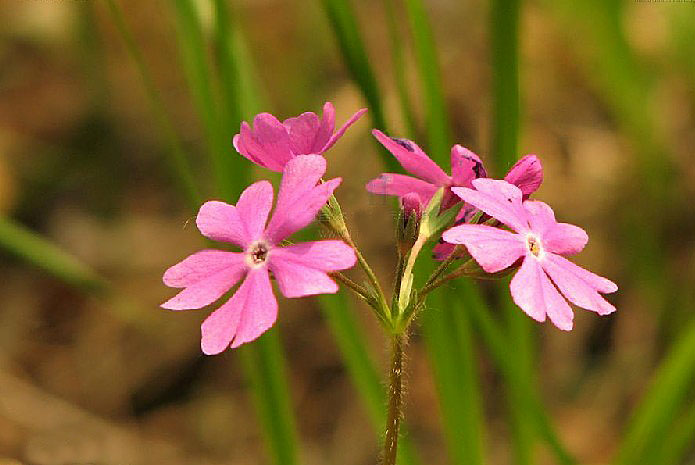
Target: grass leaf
(347,34)
(43,254)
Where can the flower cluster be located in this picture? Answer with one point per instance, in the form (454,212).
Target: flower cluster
(493,219)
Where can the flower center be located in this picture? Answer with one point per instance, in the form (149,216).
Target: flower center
(533,245)
(257,253)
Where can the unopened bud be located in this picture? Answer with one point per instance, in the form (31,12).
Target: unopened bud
(408,222)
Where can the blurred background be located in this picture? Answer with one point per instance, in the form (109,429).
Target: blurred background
(116,119)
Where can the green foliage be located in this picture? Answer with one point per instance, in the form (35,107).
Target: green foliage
(43,254)
(347,34)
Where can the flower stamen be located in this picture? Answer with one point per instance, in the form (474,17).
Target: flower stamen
(533,245)
(257,253)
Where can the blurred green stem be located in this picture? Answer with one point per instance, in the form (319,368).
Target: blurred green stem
(398,63)
(177,158)
(33,248)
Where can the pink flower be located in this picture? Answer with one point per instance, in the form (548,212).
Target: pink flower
(300,269)
(526,174)
(466,166)
(271,144)
(541,242)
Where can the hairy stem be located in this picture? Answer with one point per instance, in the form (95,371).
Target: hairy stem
(334,220)
(395,396)
(444,265)
(356,288)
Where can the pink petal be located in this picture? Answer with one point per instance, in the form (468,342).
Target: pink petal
(413,159)
(219,328)
(493,248)
(329,255)
(250,312)
(220,221)
(498,199)
(268,143)
(260,309)
(299,199)
(412,204)
(565,239)
(401,185)
(199,266)
(339,133)
(303,131)
(253,207)
(326,128)
(527,174)
(297,280)
(561,238)
(255,155)
(533,292)
(577,291)
(599,283)
(465,166)
(207,275)
(540,216)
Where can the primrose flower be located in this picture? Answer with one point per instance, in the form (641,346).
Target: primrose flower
(300,269)
(271,144)
(427,177)
(540,242)
(526,174)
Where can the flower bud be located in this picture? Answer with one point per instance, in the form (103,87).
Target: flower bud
(408,222)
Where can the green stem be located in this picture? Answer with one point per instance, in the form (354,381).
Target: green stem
(395,400)
(445,264)
(356,288)
(334,220)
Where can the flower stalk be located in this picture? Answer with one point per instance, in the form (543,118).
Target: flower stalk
(395,400)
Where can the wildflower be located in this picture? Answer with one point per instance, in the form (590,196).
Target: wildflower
(271,144)
(300,269)
(540,242)
(465,166)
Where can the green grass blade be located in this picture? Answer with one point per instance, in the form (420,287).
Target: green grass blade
(344,25)
(228,171)
(347,34)
(43,254)
(227,66)
(679,441)
(361,367)
(520,347)
(450,346)
(263,359)
(398,64)
(496,341)
(504,34)
(265,367)
(673,379)
(438,128)
(176,159)
(447,334)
